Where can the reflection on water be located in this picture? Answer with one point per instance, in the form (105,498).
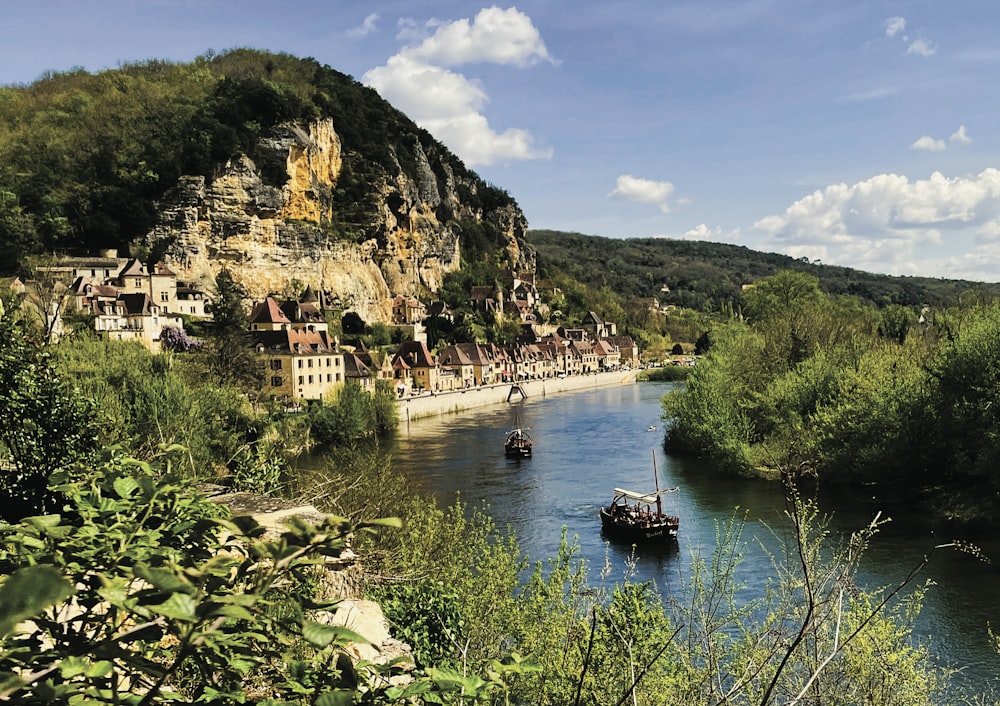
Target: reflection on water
(587,443)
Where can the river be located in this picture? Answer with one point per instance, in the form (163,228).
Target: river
(588,442)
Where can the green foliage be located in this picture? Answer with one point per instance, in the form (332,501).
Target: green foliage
(853,395)
(352,413)
(172,601)
(230,357)
(711,414)
(424,614)
(352,324)
(964,400)
(46,424)
(145,401)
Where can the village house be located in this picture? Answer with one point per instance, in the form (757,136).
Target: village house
(358,372)
(458,372)
(628,350)
(407,310)
(414,368)
(158,282)
(301,360)
(192,301)
(597,328)
(130,317)
(608,356)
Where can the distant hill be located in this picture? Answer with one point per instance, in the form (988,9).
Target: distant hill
(705,276)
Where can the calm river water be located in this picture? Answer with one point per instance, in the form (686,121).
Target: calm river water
(588,442)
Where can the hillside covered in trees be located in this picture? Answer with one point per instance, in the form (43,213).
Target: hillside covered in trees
(84,157)
(710,276)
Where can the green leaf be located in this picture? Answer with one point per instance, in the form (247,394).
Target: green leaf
(125,486)
(28,592)
(73,666)
(163,579)
(233,611)
(341,697)
(99,669)
(322,635)
(179,607)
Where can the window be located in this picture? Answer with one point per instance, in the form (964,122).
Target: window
(300,379)
(276,381)
(164,297)
(138,283)
(310,362)
(275,364)
(329,377)
(310,379)
(338,377)
(299,363)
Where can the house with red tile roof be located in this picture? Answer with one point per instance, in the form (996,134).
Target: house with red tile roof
(300,361)
(458,371)
(415,368)
(608,357)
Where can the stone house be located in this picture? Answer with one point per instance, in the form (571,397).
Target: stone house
(407,310)
(301,360)
(130,317)
(608,357)
(458,371)
(158,282)
(628,350)
(415,368)
(597,328)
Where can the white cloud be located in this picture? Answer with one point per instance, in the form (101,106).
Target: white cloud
(989,232)
(928,144)
(894,25)
(920,47)
(960,135)
(495,36)
(885,223)
(449,104)
(366,27)
(713,235)
(640,190)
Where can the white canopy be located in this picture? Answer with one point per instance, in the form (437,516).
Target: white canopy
(648,498)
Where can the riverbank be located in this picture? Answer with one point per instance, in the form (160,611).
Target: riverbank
(428,404)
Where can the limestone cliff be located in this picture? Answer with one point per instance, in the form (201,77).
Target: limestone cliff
(278,222)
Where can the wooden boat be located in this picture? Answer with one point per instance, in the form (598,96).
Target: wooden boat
(638,518)
(517,443)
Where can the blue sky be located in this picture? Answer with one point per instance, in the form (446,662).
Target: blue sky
(860,133)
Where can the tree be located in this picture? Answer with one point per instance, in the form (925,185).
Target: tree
(231,357)
(352,324)
(47,425)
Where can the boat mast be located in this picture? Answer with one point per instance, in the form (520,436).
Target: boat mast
(656,481)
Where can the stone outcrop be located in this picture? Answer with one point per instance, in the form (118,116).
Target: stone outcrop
(272,221)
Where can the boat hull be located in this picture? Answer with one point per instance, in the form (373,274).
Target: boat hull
(517,451)
(644,532)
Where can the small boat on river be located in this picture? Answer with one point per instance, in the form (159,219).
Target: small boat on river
(517,443)
(638,518)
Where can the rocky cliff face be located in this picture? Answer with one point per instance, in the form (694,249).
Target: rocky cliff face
(276,239)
